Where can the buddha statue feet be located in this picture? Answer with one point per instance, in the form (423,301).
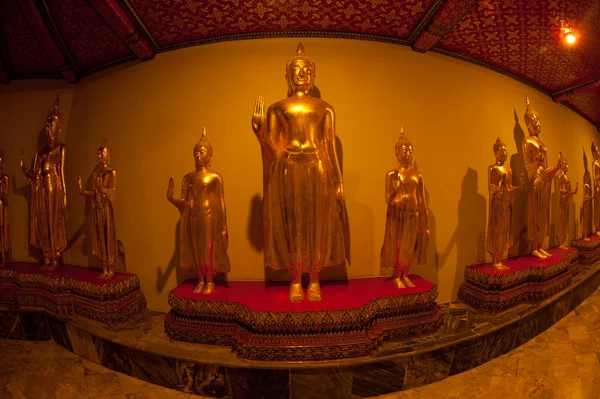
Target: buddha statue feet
(586,239)
(500,266)
(399,283)
(543,251)
(314,292)
(408,282)
(109,274)
(46,264)
(53,265)
(562,247)
(210,287)
(538,254)
(199,288)
(102,275)
(296,293)
(598,233)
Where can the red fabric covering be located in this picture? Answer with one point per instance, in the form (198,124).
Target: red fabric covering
(525,262)
(337,295)
(66,271)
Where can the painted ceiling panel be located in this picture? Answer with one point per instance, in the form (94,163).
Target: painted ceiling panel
(175,21)
(25,54)
(90,40)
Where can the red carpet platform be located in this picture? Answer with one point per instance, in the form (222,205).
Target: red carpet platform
(71,290)
(260,323)
(589,251)
(528,280)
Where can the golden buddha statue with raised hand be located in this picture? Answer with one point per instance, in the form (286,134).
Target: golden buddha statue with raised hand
(540,179)
(407,223)
(102,196)
(501,197)
(203,225)
(48,193)
(565,196)
(303,195)
(4,215)
(596,196)
(587,211)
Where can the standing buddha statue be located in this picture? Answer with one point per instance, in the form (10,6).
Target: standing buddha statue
(587,211)
(4,216)
(565,195)
(407,226)
(540,179)
(203,226)
(596,176)
(103,195)
(501,197)
(303,195)
(48,193)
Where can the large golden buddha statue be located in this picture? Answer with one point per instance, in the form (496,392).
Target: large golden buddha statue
(565,195)
(48,193)
(407,223)
(540,179)
(596,177)
(501,197)
(203,225)
(303,195)
(4,216)
(102,196)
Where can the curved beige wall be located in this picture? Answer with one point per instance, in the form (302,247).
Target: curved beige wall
(153,113)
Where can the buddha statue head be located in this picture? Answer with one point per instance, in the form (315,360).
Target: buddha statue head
(595,151)
(532,119)
(300,72)
(562,162)
(203,151)
(53,122)
(404,150)
(500,151)
(104,153)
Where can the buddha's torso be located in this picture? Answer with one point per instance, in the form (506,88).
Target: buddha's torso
(300,119)
(101,179)
(564,184)
(49,161)
(533,147)
(407,188)
(202,190)
(498,173)
(596,174)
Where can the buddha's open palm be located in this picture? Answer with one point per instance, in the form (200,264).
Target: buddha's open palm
(258,116)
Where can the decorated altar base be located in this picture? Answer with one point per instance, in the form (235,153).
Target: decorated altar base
(260,323)
(589,251)
(71,290)
(527,280)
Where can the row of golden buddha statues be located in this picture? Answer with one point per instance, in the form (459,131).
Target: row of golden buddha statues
(304,208)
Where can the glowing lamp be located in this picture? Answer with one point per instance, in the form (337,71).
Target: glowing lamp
(569,35)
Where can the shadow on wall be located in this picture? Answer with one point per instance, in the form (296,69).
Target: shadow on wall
(469,236)
(181,274)
(519,215)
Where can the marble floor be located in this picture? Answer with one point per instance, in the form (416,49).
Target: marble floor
(563,362)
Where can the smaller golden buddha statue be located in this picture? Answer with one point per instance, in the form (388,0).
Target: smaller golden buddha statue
(4,216)
(596,195)
(102,195)
(502,195)
(407,226)
(203,225)
(48,193)
(565,196)
(587,212)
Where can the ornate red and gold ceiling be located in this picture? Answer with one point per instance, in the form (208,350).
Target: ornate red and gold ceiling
(520,38)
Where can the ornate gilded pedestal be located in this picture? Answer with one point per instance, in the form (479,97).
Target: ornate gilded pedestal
(70,291)
(588,249)
(527,279)
(260,323)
